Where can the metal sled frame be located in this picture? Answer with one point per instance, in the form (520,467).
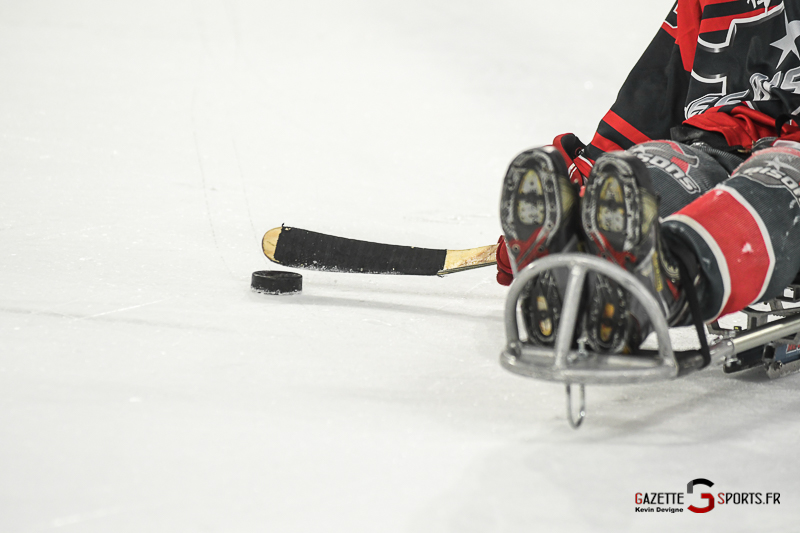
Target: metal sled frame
(579,366)
(774,364)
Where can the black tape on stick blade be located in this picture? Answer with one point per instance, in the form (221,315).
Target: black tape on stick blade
(307,249)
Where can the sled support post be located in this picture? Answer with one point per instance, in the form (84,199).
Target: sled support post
(573,421)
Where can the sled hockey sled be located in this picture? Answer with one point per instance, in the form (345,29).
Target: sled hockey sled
(773,344)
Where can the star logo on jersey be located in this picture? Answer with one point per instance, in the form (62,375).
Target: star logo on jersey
(757,3)
(756,59)
(788,45)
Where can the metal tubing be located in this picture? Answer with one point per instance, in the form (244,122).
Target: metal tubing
(564,364)
(569,314)
(763,334)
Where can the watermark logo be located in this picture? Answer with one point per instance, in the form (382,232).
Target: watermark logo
(705,495)
(702,499)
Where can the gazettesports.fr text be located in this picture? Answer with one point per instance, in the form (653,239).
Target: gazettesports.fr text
(735,498)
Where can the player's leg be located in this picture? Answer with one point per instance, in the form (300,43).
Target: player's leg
(620,216)
(746,231)
(682,173)
(539,216)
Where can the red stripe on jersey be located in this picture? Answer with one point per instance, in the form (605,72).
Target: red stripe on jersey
(723,23)
(669,29)
(605,145)
(689,14)
(745,250)
(624,127)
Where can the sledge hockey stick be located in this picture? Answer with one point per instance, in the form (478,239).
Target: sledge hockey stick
(299,248)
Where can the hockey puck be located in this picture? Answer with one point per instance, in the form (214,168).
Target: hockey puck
(276,282)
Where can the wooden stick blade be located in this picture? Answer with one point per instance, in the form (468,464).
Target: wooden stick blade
(460,260)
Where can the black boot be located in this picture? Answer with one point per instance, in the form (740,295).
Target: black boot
(539,216)
(619,215)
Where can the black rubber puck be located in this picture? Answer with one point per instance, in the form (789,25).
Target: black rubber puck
(276,282)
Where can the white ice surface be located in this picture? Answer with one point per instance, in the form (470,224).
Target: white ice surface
(147,146)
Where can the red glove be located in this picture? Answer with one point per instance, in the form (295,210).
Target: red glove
(571,149)
(504,273)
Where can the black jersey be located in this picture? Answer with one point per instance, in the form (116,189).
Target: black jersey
(730,66)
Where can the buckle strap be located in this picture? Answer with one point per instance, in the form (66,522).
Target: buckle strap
(688,268)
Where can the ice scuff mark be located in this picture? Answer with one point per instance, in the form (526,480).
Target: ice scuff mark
(121,309)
